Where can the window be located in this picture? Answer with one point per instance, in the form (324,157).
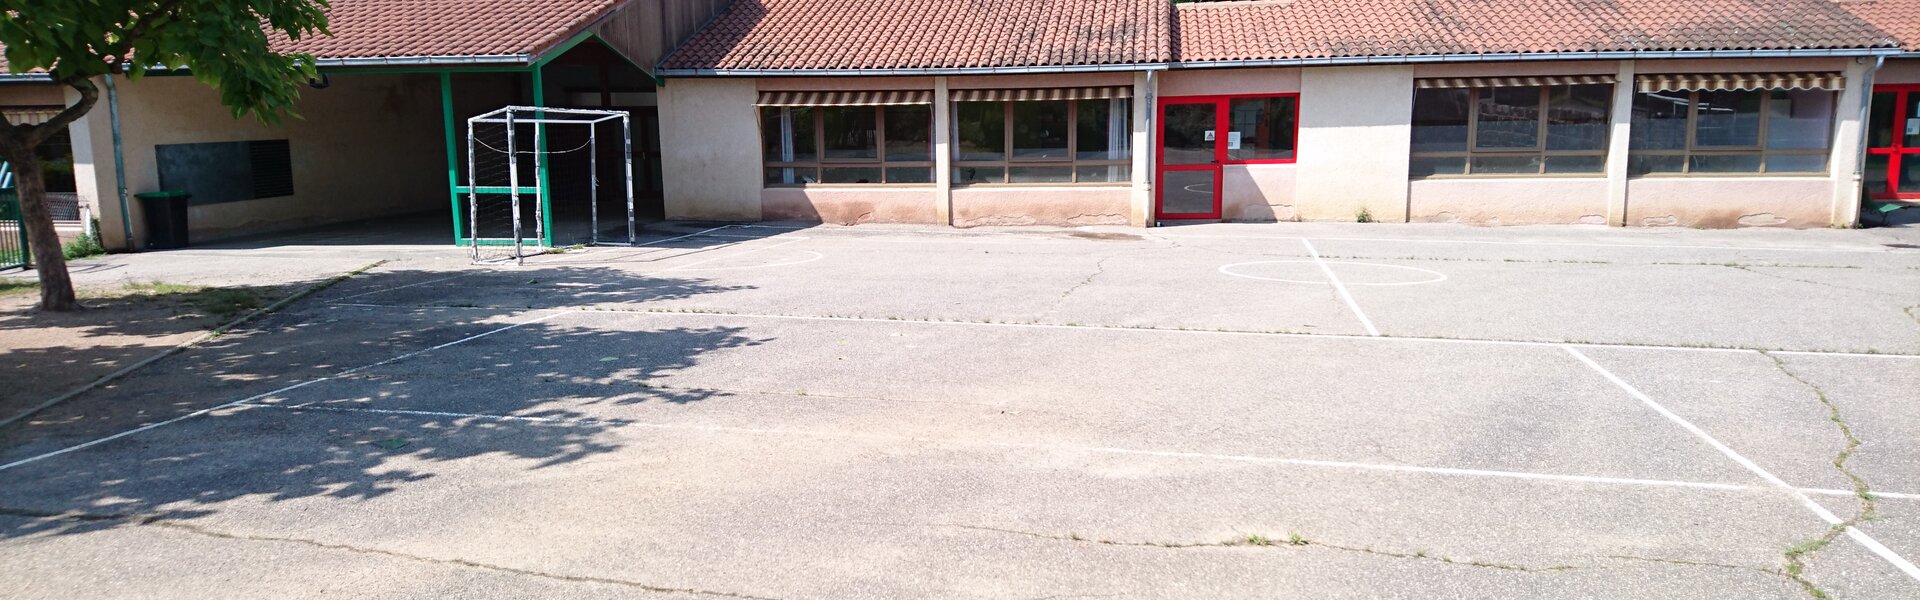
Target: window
(217,172)
(1510,130)
(1893,143)
(1265,127)
(1042,141)
(847,144)
(1731,131)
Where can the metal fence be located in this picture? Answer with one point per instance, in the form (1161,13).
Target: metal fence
(13,231)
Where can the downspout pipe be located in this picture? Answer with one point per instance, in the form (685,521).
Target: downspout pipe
(119,164)
(1866,137)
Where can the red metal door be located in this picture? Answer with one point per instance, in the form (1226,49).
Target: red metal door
(1192,146)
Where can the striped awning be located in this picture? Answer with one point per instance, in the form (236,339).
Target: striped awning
(870,98)
(30,115)
(1740,81)
(1485,82)
(1073,93)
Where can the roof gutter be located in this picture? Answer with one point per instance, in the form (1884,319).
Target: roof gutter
(1304,62)
(26,78)
(1538,56)
(427,61)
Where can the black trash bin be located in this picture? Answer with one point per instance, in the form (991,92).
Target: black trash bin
(166,213)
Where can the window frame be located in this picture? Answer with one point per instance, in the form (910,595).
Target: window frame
(1071,162)
(1759,149)
(1540,140)
(820,161)
(1897,150)
(1225,107)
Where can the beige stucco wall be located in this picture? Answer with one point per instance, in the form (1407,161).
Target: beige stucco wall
(1354,144)
(710,149)
(1257,193)
(1718,202)
(1898,71)
(1213,82)
(32,94)
(1050,205)
(1518,201)
(851,206)
(366,146)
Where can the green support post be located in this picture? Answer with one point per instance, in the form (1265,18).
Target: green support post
(453,157)
(546,200)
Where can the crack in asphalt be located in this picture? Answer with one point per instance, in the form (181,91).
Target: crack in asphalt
(1099,268)
(1750,269)
(138,520)
(1797,554)
(1251,541)
(1698,563)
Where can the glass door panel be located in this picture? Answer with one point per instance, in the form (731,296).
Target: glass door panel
(1189,134)
(1190,150)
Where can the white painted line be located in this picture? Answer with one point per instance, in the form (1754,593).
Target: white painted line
(1229,270)
(249,399)
(1866,250)
(1128,329)
(1328,464)
(1898,561)
(1341,288)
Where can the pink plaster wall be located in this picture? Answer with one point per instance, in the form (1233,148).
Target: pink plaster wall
(1257,193)
(1516,69)
(1063,206)
(834,84)
(1048,80)
(1209,82)
(1501,201)
(1724,202)
(1898,71)
(850,206)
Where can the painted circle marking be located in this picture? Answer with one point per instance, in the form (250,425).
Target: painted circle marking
(815,256)
(1437,276)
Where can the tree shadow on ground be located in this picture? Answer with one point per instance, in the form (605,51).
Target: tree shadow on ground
(562,383)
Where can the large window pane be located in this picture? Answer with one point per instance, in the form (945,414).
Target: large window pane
(1440,120)
(1265,126)
(1908,176)
(1019,174)
(1660,121)
(786,134)
(1577,117)
(909,174)
(1040,130)
(1727,119)
(1796,163)
(1880,126)
(1103,173)
(1576,164)
(1724,163)
(965,174)
(850,175)
(1642,164)
(1876,173)
(1423,166)
(909,132)
(1103,130)
(849,132)
(1799,119)
(1912,136)
(981,130)
(1186,135)
(1509,117)
(1526,163)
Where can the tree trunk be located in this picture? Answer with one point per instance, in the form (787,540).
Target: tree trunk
(56,288)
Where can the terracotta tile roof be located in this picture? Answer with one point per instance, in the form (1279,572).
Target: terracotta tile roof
(928,34)
(400,28)
(1898,17)
(1307,29)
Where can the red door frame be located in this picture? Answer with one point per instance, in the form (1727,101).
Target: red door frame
(1899,151)
(1221,122)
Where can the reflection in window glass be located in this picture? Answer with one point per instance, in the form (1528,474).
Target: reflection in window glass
(1659,121)
(1040,130)
(1440,119)
(1880,126)
(850,175)
(1102,130)
(1727,118)
(849,132)
(981,130)
(1265,125)
(1509,117)
(1577,117)
(1800,119)
(908,132)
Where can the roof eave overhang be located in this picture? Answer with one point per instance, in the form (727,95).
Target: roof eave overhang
(453,60)
(1539,56)
(1106,68)
(25,78)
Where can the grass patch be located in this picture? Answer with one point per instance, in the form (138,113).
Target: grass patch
(221,303)
(10,286)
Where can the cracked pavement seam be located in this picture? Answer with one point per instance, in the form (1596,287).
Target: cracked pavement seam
(1250,541)
(137,520)
(1797,554)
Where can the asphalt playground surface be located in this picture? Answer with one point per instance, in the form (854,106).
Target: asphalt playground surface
(1297,410)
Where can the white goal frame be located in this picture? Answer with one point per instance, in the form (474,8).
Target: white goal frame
(511,116)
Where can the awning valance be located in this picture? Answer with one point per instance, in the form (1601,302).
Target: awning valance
(1484,82)
(30,115)
(868,98)
(1036,94)
(1740,81)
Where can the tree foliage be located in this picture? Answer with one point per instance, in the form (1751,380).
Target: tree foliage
(223,43)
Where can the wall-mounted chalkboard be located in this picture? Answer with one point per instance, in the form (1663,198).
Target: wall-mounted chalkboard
(217,172)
